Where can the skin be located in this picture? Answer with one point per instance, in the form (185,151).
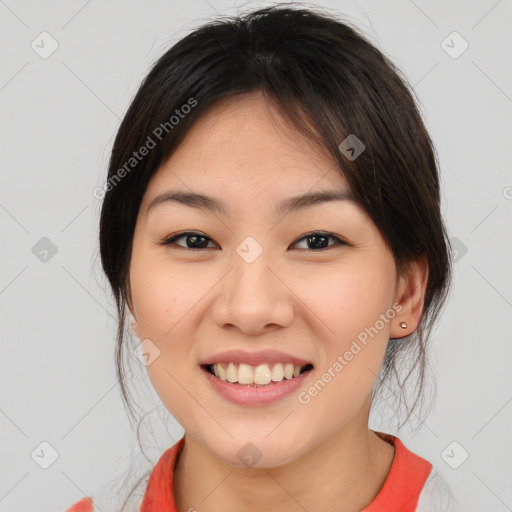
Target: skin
(305,301)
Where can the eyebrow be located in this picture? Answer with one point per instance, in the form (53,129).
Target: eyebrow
(207,203)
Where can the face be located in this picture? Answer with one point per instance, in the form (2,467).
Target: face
(279,289)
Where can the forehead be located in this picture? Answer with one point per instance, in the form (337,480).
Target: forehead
(243,145)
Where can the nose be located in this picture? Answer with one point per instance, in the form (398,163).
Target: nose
(253,297)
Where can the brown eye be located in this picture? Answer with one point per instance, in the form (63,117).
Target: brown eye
(193,240)
(319,240)
(316,240)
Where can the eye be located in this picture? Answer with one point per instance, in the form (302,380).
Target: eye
(194,240)
(197,240)
(318,240)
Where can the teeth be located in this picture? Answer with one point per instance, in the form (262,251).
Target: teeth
(245,374)
(232,374)
(260,375)
(277,373)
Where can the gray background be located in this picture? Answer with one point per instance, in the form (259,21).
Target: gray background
(59,116)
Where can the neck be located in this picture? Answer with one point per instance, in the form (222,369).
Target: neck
(348,470)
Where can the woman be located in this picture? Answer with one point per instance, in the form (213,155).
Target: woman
(271,223)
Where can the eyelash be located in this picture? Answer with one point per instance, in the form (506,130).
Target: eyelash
(170,241)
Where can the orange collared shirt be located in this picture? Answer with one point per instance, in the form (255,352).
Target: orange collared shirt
(400,492)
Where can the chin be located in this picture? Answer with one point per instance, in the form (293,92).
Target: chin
(257,451)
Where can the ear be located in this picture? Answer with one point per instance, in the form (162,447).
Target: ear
(134,326)
(410,295)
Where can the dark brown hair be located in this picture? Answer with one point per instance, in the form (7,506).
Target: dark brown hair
(330,81)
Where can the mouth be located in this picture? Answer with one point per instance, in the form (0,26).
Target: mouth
(262,385)
(256,376)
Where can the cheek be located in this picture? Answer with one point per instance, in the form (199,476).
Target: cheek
(163,300)
(162,294)
(346,300)
(167,299)
(351,337)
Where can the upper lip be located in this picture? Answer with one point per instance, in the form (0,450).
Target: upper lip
(254,358)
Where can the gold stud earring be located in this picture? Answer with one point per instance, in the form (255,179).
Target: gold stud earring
(403,325)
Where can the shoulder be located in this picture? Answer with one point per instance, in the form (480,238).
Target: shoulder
(84,505)
(436,495)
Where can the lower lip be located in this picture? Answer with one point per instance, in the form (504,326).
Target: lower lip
(243,394)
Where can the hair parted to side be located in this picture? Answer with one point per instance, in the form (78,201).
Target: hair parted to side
(329,81)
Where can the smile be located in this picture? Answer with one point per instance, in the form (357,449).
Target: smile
(260,375)
(241,384)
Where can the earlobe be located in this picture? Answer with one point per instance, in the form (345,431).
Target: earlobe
(135,330)
(134,326)
(410,296)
